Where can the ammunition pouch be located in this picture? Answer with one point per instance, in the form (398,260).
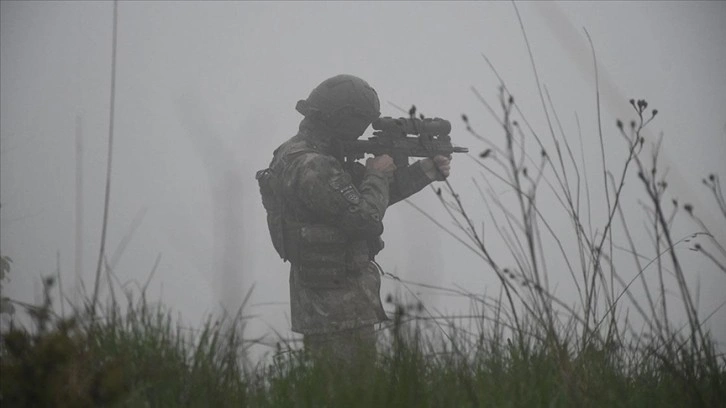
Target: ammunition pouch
(324,255)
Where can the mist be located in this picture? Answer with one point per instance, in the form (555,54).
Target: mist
(205,91)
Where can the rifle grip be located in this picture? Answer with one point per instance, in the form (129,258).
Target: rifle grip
(400,160)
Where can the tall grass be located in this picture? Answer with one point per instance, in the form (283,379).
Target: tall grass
(134,355)
(141,358)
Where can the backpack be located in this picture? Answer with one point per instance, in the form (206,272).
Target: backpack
(270,181)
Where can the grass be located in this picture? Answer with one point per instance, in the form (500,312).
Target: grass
(142,358)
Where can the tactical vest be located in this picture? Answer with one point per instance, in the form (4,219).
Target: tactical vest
(313,245)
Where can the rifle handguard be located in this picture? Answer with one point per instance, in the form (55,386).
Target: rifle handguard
(413,126)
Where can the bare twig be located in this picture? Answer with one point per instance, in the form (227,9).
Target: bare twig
(112,97)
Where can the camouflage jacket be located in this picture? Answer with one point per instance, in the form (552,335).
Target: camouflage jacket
(333,218)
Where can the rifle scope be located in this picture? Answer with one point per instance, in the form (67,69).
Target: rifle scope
(413,126)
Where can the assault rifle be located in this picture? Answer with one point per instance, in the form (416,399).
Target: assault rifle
(391,137)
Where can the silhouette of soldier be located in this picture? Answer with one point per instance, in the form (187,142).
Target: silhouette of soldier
(325,217)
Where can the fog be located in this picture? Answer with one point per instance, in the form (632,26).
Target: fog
(205,92)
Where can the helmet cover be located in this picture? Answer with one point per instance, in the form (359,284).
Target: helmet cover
(345,103)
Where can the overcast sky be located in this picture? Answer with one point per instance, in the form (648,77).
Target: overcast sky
(205,92)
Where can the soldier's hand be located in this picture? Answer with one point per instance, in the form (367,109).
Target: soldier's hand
(383,164)
(438,168)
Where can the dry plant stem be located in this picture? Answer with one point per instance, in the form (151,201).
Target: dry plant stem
(640,274)
(657,240)
(529,127)
(661,332)
(126,239)
(480,244)
(587,185)
(442,227)
(652,188)
(474,236)
(526,212)
(574,209)
(79,202)
(703,225)
(589,290)
(597,269)
(569,207)
(109,271)
(715,187)
(581,236)
(539,90)
(110,157)
(657,231)
(685,293)
(713,259)
(60,283)
(511,218)
(519,144)
(571,156)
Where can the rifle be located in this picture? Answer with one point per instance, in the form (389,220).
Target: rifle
(391,138)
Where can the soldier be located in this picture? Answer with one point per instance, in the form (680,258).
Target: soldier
(326,217)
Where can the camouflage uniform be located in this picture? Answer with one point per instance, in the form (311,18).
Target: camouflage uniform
(325,217)
(333,213)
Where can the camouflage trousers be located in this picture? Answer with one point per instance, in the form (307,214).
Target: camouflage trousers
(347,347)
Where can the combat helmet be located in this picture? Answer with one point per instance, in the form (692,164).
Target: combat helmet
(344,103)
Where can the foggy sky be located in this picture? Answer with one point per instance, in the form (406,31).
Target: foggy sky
(206,91)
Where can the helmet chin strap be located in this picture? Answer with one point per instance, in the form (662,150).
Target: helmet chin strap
(327,136)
